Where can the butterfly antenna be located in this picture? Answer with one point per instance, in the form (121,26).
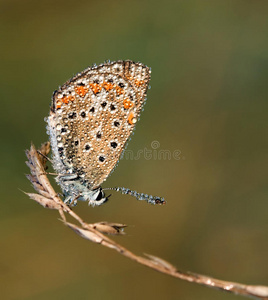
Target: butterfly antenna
(139,196)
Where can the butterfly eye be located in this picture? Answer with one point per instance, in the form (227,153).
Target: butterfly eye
(100,196)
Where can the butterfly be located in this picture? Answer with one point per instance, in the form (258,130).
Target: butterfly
(91,119)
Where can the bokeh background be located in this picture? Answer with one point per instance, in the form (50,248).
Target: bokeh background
(208,100)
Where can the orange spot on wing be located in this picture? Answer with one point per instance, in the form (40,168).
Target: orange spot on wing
(58,104)
(107,85)
(81,90)
(128,77)
(119,90)
(95,87)
(127,104)
(139,82)
(65,100)
(131,119)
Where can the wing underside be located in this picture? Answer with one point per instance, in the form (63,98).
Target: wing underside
(93,115)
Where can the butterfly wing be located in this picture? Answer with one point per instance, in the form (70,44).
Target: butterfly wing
(92,116)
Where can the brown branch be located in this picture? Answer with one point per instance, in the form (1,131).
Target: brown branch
(47,197)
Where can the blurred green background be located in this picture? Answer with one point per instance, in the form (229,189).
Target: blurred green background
(208,100)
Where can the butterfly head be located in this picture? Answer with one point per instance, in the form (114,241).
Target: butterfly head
(75,188)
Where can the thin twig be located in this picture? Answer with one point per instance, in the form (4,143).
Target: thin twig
(48,198)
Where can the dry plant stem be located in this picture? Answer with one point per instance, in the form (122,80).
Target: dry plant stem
(48,198)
